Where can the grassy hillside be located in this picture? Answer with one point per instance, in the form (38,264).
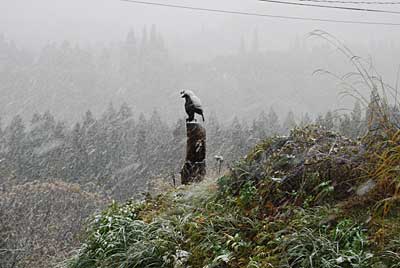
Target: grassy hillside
(313,199)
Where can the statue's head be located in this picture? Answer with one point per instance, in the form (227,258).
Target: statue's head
(186,93)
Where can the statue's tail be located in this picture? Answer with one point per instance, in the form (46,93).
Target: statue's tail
(202,116)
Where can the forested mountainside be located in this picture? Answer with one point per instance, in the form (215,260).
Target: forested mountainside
(141,70)
(119,153)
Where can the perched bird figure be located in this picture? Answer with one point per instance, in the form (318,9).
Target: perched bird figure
(192,105)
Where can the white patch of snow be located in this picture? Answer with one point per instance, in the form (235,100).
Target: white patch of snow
(365,187)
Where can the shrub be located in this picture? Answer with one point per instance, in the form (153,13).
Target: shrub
(119,238)
(310,167)
(343,246)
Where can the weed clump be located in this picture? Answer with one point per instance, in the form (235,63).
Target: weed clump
(342,246)
(118,236)
(311,166)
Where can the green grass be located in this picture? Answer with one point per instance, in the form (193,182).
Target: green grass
(119,238)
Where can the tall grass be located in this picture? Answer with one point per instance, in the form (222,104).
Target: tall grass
(343,246)
(382,138)
(118,238)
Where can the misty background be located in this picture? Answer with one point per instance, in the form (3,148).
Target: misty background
(72,56)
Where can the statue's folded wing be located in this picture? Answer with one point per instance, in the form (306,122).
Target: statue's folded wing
(196,102)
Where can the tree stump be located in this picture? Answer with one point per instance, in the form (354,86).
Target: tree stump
(194,168)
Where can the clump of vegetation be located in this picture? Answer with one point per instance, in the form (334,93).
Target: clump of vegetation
(384,168)
(342,246)
(119,236)
(309,167)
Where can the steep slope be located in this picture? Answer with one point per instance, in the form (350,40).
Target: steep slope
(313,199)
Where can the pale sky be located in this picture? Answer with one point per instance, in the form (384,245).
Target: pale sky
(35,22)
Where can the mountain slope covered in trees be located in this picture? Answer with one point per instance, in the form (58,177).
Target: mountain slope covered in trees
(142,70)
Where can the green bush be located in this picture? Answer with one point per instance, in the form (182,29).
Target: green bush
(119,238)
(343,246)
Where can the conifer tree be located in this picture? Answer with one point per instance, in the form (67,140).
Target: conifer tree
(274,127)
(328,122)
(289,123)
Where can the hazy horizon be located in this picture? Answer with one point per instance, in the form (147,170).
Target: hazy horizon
(200,38)
(34,23)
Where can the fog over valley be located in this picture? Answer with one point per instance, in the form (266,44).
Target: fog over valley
(71,56)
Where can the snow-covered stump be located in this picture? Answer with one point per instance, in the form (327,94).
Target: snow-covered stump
(194,168)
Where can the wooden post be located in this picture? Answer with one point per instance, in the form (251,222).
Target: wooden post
(194,168)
